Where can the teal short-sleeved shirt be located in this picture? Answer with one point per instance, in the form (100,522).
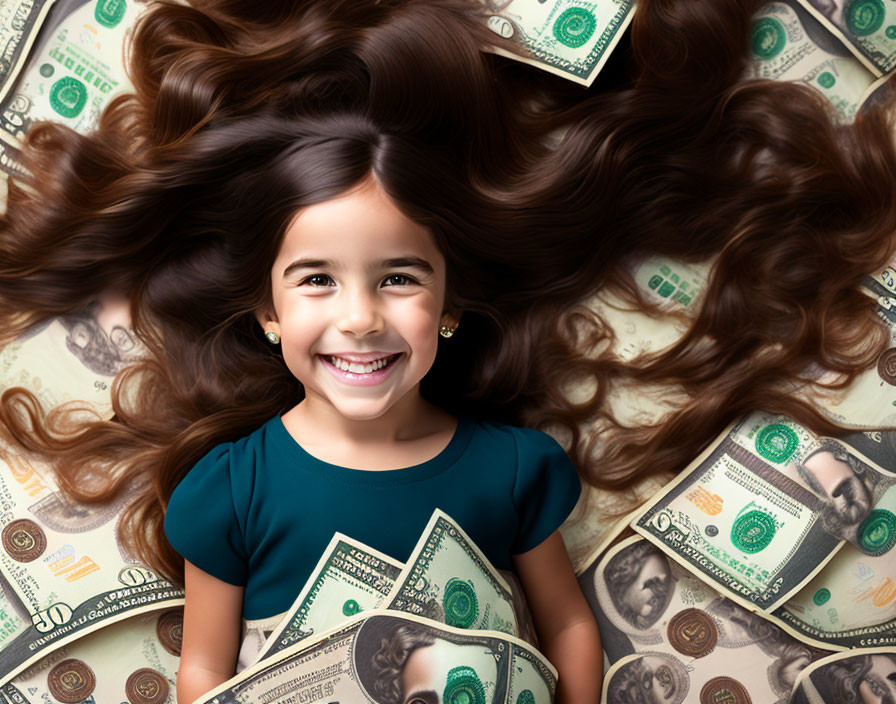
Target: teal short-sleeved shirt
(259,512)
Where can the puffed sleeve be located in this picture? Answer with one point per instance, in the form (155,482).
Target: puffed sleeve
(201,523)
(546,490)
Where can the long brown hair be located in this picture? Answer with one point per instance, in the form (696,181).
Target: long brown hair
(537,192)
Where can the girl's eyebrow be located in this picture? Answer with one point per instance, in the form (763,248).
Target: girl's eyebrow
(408,261)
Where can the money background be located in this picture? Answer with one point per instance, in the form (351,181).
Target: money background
(841,49)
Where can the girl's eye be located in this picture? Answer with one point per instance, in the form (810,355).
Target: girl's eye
(403,277)
(318,277)
(322,280)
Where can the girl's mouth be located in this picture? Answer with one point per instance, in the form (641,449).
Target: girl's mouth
(379,370)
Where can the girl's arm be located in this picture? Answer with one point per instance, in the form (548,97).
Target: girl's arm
(212,621)
(567,631)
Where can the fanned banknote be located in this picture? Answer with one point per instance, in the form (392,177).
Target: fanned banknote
(648,605)
(349,578)
(861,676)
(569,38)
(867,27)
(64,566)
(386,657)
(74,357)
(850,603)
(789,44)
(448,579)
(870,400)
(763,509)
(131,661)
(671,283)
(75,68)
(20,22)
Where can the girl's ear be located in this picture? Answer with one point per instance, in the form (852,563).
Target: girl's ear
(450,318)
(267,318)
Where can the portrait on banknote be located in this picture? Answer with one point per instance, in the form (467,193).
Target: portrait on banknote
(832,9)
(649,678)
(399,661)
(846,486)
(853,676)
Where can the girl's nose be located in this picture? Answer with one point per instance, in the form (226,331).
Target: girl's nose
(359,314)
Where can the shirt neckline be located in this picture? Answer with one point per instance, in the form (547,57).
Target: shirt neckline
(448,456)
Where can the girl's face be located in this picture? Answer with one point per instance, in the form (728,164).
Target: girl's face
(357,280)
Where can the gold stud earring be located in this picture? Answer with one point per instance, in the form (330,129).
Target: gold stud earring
(446,331)
(273,337)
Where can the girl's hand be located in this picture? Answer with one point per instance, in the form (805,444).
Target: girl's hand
(212,621)
(567,631)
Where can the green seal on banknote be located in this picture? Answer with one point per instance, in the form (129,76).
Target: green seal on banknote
(752,532)
(826,79)
(821,596)
(464,687)
(526,697)
(351,607)
(460,603)
(891,31)
(777,442)
(109,13)
(574,26)
(768,38)
(877,533)
(68,96)
(864,17)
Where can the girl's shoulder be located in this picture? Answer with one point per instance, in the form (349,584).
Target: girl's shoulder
(527,441)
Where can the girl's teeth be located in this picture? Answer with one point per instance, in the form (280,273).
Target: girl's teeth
(356,368)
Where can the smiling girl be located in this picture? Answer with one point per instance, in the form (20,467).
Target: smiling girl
(265,134)
(356,297)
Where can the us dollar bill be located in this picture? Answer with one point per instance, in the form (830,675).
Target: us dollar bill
(851,603)
(670,282)
(762,510)
(659,618)
(569,38)
(74,358)
(869,401)
(866,675)
(789,44)
(134,660)
(20,22)
(349,578)
(74,69)
(448,579)
(66,570)
(386,657)
(867,28)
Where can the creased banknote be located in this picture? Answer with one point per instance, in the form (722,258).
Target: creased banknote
(766,506)
(850,603)
(789,44)
(390,657)
(74,69)
(867,27)
(648,605)
(20,22)
(861,676)
(132,661)
(448,579)
(569,38)
(74,357)
(870,400)
(66,570)
(349,578)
